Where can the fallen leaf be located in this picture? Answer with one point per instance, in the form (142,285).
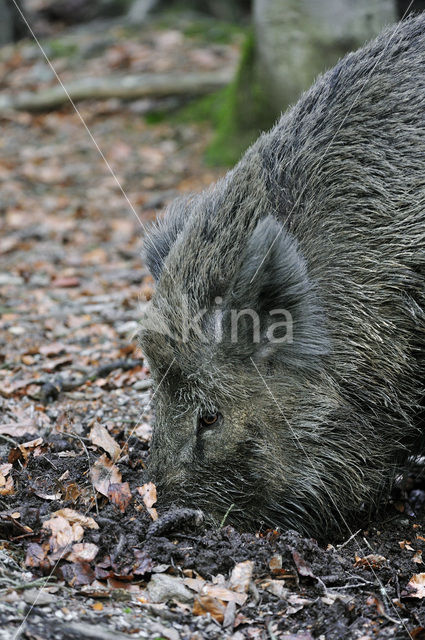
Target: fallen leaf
(417,557)
(374,601)
(5,469)
(77,573)
(74,517)
(36,555)
(52,349)
(296,603)
(221,593)
(6,480)
(104,473)
(83,552)
(206,604)
(63,534)
(25,449)
(276,587)
(372,561)
(120,495)
(148,493)
(417,585)
(66,283)
(406,544)
(144,431)
(241,576)
(275,563)
(18,429)
(101,437)
(302,565)
(48,496)
(53,365)
(7,389)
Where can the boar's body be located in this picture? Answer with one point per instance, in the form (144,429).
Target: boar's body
(323,217)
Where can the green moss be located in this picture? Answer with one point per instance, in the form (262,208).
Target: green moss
(209,30)
(238,113)
(60,48)
(195,24)
(242,113)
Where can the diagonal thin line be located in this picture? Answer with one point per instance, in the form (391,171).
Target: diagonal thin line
(149,405)
(67,547)
(353,103)
(92,138)
(296,437)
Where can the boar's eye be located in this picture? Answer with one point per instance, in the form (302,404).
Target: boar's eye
(209,419)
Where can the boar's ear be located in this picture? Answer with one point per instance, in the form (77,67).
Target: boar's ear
(273,282)
(160,237)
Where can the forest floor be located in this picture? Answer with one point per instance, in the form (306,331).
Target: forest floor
(76,557)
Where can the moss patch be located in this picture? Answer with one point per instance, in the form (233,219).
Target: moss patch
(238,113)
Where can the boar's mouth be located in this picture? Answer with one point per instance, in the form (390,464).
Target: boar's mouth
(231,487)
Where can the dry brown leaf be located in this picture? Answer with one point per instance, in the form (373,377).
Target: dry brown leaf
(27,447)
(406,544)
(8,389)
(101,437)
(148,493)
(104,473)
(52,349)
(374,601)
(275,563)
(74,517)
(144,431)
(36,555)
(296,603)
(241,576)
(302,565)
(6,484)
(417,557)
(48,496)
(372,561)
(83,552)
(66,282)
(221,593)
(4,471)
(195,584)
(207,604)
(18,429)
(52,365)
(276,587)
(63,534)
(417,585)
(120,495)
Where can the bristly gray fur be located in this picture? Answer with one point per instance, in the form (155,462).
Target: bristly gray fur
(325,216)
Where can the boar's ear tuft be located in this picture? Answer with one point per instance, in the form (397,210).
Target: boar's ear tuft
(160,237)
(273,282)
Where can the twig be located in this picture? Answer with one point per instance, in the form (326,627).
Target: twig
(50,390)
(40,582)
(341,546)
(128,87)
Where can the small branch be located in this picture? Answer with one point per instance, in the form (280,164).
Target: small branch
(50,390)
(128,87)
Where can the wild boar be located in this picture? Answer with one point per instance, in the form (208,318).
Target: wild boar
(286,333)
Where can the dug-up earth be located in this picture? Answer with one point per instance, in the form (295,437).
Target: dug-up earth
(80,555)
